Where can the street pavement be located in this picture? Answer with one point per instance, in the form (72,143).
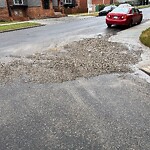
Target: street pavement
(107,112)
(57,33)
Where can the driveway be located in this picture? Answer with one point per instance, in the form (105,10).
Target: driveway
(106,112)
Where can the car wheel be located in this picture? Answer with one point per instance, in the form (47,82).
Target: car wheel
(140,20)
(108,25)
(130,24)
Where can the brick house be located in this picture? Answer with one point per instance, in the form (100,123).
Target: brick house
(3,10)
(80,6)
(102,2)
(31,9)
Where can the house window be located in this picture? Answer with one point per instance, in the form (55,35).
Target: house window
(18,2)
(67,1)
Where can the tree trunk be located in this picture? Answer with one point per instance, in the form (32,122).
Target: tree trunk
(9,9)
(147,2)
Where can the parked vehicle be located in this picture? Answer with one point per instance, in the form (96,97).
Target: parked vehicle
(106,10)
(126,16)
(125,5)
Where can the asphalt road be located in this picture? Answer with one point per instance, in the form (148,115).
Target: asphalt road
(55,34)
(52,35)
(108,112)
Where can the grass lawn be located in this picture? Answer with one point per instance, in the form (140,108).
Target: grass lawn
(145,37)
(17,26)
(6,22)
(143,6)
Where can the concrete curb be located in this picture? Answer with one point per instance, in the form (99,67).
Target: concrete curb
(146,69)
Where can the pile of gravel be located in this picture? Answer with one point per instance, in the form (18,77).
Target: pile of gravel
(86,58)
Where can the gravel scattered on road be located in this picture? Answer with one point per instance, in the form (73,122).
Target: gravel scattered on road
(85,58)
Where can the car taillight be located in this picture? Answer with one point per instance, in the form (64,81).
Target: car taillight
(123,17)
(108,16)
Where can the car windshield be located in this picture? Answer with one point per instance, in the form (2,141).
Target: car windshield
(107,8)
(121,10)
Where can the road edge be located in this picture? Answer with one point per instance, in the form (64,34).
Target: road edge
(130,37)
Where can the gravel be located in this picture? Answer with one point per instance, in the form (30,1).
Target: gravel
(85,58)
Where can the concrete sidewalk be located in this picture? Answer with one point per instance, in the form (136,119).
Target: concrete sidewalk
(130,37)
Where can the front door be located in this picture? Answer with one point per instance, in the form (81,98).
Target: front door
(46,4)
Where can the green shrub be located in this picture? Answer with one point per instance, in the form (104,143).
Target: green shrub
(101,6)
(130,2)
(117,3)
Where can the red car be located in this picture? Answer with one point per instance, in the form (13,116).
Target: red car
(126,16)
